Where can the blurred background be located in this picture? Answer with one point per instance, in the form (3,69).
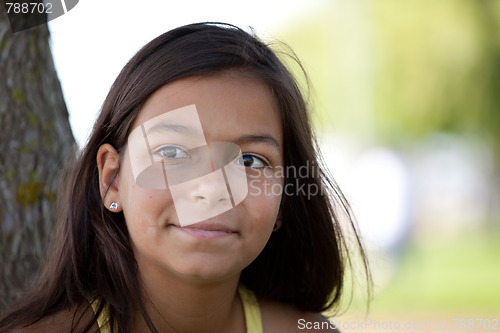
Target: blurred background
(406,96)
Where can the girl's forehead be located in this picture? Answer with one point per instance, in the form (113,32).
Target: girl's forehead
(224,102)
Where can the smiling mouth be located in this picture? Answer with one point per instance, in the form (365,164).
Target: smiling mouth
(205,230)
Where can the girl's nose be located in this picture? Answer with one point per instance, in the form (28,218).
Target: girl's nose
(201,198)
(210,190)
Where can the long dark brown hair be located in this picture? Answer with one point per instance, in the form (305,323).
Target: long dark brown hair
(303,263)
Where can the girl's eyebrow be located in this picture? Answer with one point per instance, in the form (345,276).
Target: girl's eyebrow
(170,128)
(265,138)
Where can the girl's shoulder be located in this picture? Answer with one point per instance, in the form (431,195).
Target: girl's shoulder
(279,317)
(68,320)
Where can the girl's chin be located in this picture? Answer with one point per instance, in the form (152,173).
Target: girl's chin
(208,272)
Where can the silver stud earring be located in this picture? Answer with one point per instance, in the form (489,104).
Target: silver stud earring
(113,205)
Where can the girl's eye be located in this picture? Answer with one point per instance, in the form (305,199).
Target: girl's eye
(253,161)
(170,152)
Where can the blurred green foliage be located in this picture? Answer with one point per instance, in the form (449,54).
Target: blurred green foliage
(437,67)
(396,70)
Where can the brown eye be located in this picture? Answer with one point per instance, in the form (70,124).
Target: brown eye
(253,161)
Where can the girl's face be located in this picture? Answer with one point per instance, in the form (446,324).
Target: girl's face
(231,108)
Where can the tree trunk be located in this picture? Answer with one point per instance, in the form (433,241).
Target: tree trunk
(35,140)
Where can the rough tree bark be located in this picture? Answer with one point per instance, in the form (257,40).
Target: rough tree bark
(35,140)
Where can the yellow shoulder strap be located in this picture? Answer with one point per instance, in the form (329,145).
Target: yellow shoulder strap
(103,319)
(251,309)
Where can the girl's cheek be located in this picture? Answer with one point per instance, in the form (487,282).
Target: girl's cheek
(264,194)
(150,207)
(264,182)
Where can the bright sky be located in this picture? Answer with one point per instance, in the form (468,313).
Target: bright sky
(93,41)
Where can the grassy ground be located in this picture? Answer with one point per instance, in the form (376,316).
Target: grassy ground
(443,284)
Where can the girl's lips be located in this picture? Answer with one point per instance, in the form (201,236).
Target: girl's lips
(206,230)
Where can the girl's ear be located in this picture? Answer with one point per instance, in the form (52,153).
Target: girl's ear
(108,164)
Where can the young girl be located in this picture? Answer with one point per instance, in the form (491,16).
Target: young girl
(185,211)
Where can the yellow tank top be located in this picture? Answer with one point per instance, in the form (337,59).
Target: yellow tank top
(249,302)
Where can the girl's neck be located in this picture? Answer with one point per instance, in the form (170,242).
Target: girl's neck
(177,304)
